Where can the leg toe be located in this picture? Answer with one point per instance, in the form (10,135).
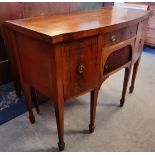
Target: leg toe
(37,110)
(122,102)
(61,146)
(131,89)
(91,128)
(32,119)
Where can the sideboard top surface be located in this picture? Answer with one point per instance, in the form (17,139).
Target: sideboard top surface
(65,27)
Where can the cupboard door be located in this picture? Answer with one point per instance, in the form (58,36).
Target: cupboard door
(117,59)
(80,62)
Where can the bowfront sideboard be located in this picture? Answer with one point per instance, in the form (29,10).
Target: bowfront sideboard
(64,56)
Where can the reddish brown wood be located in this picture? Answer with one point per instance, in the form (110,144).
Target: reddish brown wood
(56,78)
(124,51)
(93,99)
(138,50)
(26,87)
(124,55)
(27,94)
(116,36)
(135,69)
(79,63)
(126,80)
(59,28)
(64,56)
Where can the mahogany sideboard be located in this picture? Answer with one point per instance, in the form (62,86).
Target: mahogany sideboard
(64,56)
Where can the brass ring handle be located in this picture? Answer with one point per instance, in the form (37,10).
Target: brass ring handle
(80,69)
(106,68)
(113,38)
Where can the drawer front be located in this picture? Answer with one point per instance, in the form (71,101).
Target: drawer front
(120,35)
(80,66)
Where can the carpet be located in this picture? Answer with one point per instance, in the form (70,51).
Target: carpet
(10,105)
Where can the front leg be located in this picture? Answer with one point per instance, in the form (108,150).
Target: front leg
(59,113)
(94,96)
(135,69)
(125,84)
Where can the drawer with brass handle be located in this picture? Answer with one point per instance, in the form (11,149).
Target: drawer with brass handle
(117,36)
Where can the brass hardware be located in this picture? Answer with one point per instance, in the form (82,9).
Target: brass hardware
(113,38)
(106,68)
(80,69)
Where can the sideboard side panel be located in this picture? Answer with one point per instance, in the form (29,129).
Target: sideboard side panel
(35,62)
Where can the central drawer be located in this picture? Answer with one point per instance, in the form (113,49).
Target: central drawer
(117,36)
(80,65)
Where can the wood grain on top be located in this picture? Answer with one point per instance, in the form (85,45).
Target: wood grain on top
(65,27)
